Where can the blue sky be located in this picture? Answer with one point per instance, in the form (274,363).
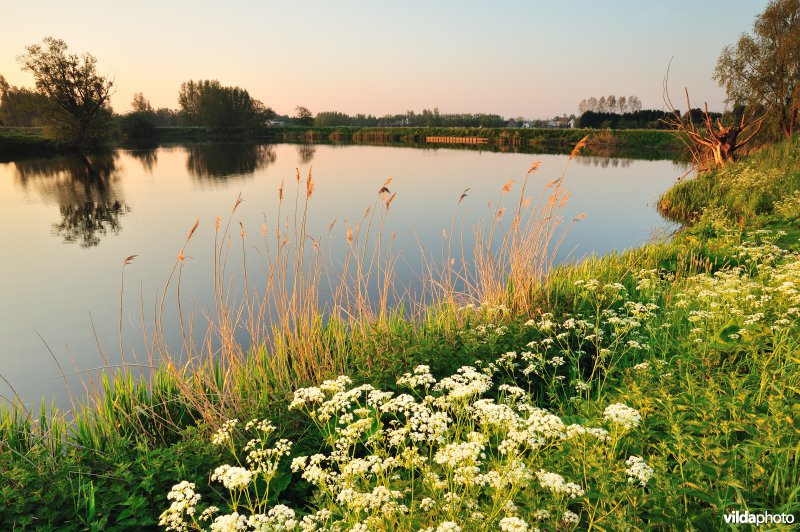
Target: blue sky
(517,58)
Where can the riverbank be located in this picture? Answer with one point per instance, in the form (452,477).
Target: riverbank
(25,141)
(669,374)
(625,143)
(531,137)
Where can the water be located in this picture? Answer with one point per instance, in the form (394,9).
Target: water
(69,223)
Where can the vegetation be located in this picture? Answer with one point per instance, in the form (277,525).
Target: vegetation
(761,71)
(19,107)
(208,103)
(612,104)
(140,123)
(647,119)
(757,193)
(75,103)
(710,144)
(21,141)
(303,116)
(427,118)
(561,138)
(651,389)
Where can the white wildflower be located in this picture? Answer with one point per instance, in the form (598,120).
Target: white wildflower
(622,415)
(232,477)
(570,518)
(638,471)
(556,483)
(229,523)
(513,524)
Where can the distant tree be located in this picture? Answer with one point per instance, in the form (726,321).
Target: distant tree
(140,104)
(634,104)
(601,105)
(622,104)
(611,103)
(165,117)
(763,69)
(332,118)
(18,106)
(140,123)
(209,103)
(78,96)
(303,116)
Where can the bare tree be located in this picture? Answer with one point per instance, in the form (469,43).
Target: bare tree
(710,144)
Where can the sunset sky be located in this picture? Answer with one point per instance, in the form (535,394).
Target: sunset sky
(516,58)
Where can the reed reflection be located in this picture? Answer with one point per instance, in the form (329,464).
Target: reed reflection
(86,190)
(221,161)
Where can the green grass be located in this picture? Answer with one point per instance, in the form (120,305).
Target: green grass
(698,333)
(747,193)
(23,141)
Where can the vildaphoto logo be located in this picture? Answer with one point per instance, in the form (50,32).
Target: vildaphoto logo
(758,519)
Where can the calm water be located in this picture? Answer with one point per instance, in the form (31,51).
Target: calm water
(68,224)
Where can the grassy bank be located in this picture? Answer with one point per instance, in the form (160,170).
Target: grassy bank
(652,389)
(25,141)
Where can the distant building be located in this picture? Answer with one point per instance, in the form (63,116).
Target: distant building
(562,122)
(511,123)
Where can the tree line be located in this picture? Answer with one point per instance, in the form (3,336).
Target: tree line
(611,104)
(427,118)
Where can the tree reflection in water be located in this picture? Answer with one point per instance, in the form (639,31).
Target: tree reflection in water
(147,156)
(306,152)
(85,188)
(221,161)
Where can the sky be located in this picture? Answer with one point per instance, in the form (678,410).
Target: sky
(535,58)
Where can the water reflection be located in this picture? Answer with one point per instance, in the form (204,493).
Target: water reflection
(220,161)
(86,190)
(148,157)
(306,152)
(603,161)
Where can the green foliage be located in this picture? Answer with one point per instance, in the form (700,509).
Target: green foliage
(747,193)
(14,142)
(761,70)
(19,107)
(139,125)
(209,103)
(303,116)
(77,109)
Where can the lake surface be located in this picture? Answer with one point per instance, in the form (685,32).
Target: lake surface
(68,223)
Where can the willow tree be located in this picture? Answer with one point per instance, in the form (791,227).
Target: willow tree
(763,69)
(78,97)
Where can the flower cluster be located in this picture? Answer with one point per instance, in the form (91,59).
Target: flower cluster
(623,415)
(638,471)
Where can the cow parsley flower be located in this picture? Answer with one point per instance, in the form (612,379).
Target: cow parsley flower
(232,477)
(184,499)
(623,415)
(513,524)
(556,483)
(229,523)
(638,471)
